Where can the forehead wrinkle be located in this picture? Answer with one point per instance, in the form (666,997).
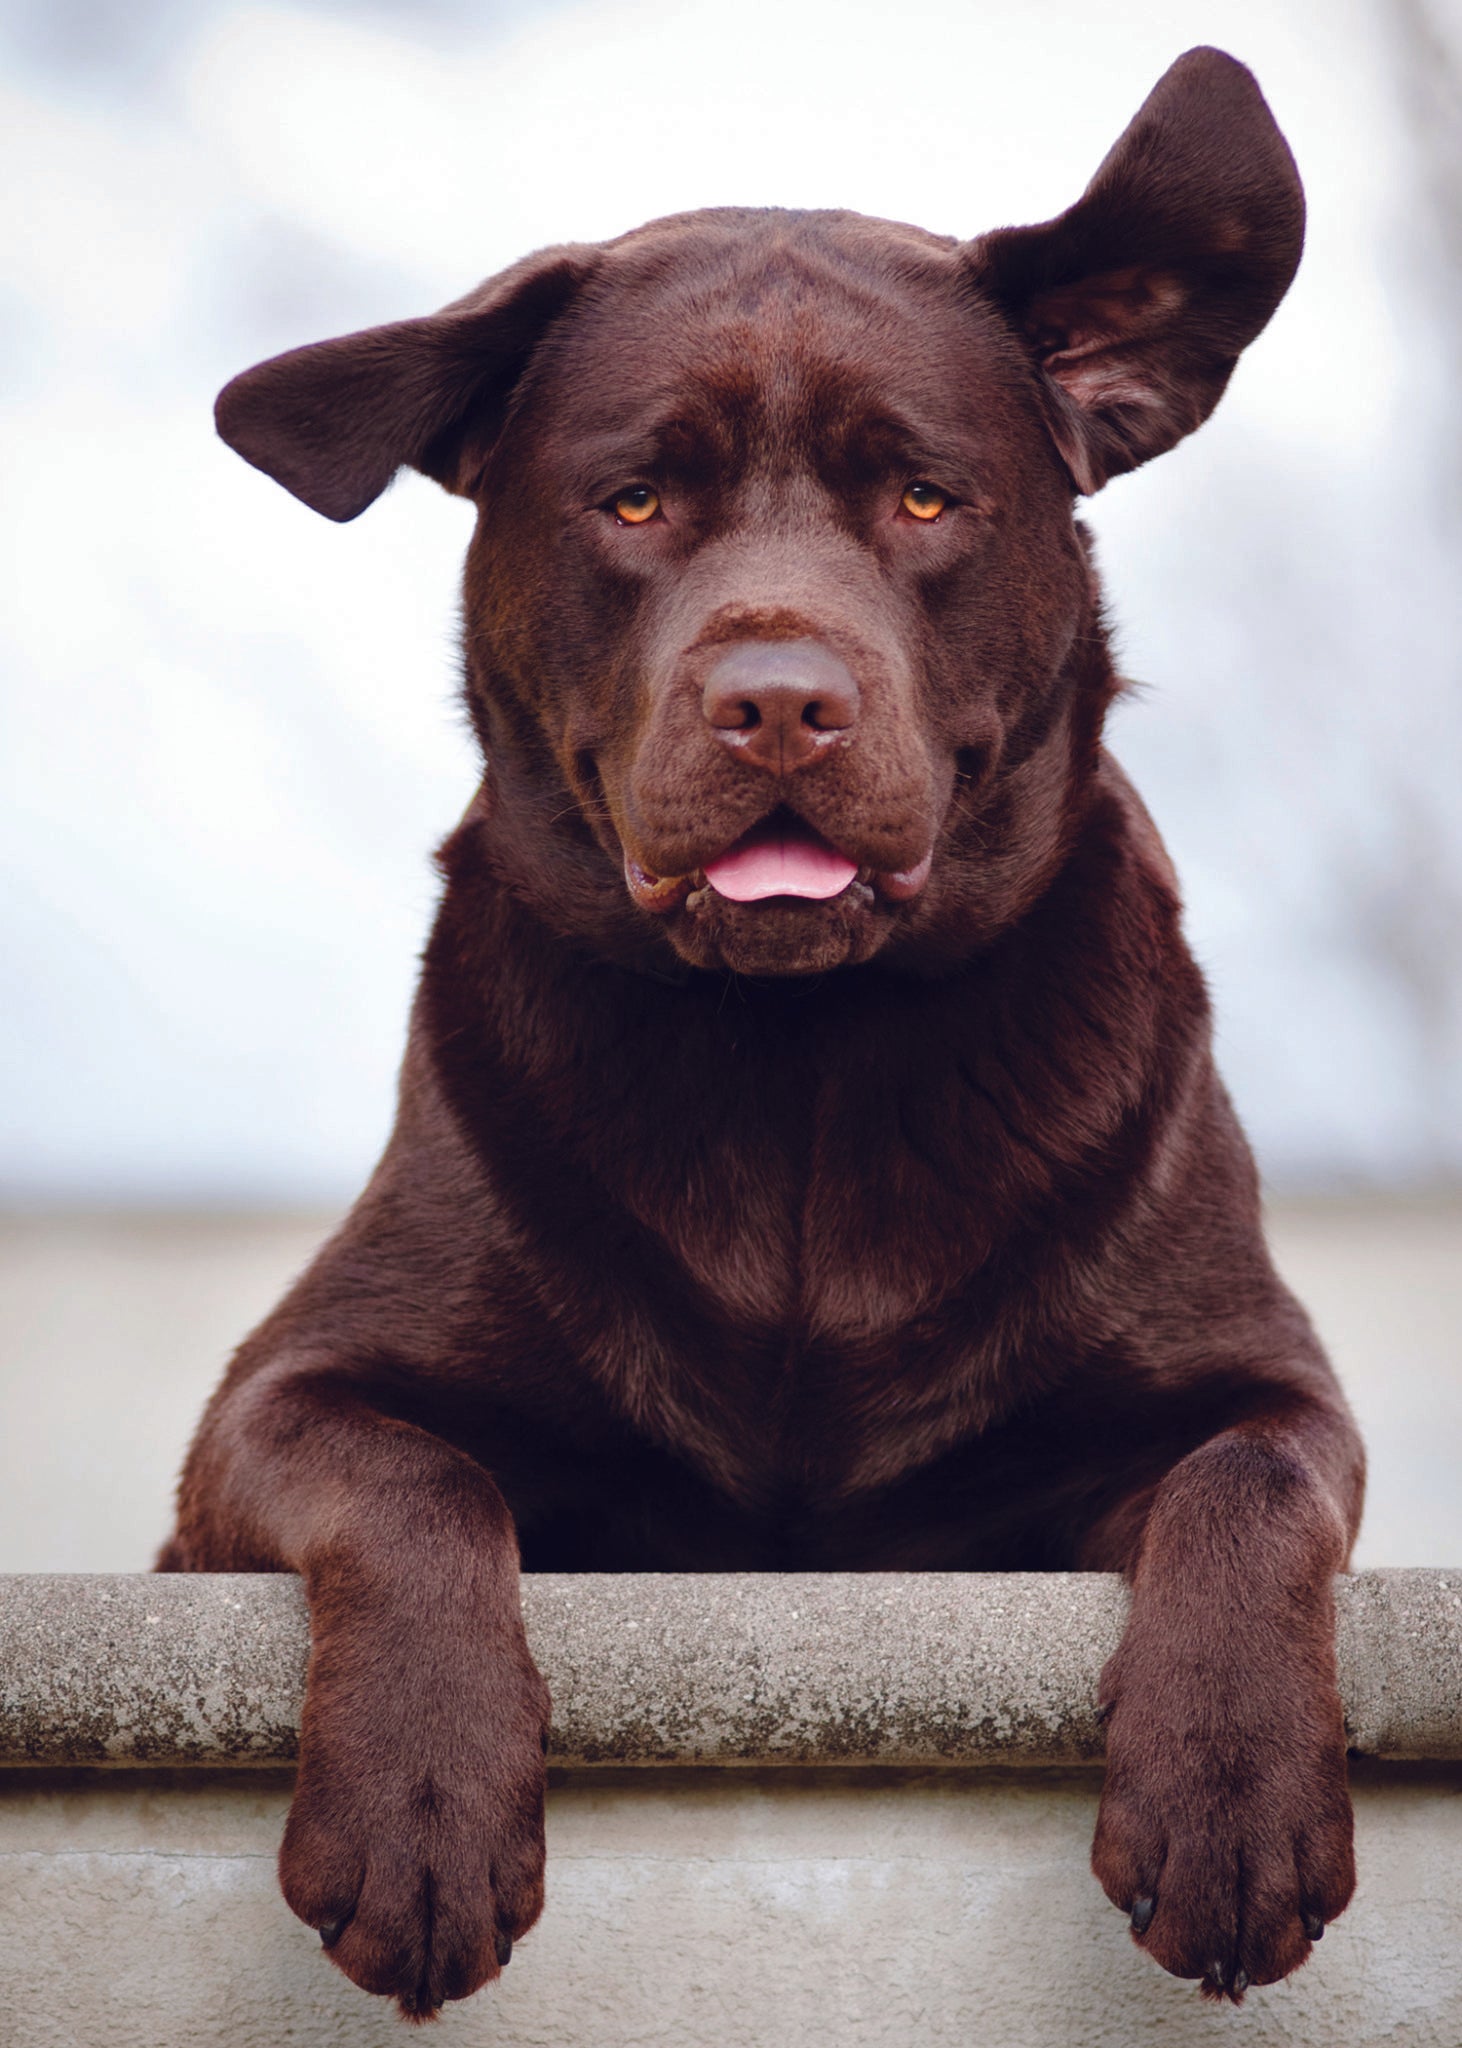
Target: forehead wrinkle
(676,305)
(849,346)
(790,411)
(764,350)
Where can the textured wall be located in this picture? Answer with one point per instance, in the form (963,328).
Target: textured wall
(819,1886)
(652,1669)
(728,1909)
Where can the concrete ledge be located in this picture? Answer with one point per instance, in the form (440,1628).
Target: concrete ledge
(801,1669)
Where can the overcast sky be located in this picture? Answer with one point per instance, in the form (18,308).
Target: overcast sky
(230,736)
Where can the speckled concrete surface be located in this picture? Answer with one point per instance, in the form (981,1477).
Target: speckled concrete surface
(825,1668)
(730,1909)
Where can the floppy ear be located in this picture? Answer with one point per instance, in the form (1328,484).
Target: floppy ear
(335,421)
(1137,301)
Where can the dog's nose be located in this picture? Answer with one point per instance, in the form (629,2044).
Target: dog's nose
(780,703)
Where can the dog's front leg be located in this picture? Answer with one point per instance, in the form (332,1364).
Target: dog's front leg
(1225,1823)
(415,1842)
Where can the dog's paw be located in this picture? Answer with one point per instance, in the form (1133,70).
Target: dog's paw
(415,1841)
(1225,1827)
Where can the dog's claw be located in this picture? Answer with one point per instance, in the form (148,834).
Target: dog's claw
(331,1932)
(1240,1983)
(1142,1912)
(504,1950)
(1313,1925)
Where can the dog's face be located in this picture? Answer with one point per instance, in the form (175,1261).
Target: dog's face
(776,560)
(781,638)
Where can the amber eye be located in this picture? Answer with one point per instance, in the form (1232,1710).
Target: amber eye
(924,501)
(633,508)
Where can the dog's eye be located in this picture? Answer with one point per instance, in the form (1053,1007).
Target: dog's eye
(633,508)
(924,501)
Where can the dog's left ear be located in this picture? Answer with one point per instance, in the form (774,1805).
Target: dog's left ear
(1137,301)
(335,421)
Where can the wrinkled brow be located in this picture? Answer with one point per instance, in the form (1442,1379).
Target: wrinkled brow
(697,445)
(864,442)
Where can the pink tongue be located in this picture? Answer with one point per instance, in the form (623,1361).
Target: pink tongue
(780,860)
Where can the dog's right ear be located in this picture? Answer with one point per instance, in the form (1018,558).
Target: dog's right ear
(335,421)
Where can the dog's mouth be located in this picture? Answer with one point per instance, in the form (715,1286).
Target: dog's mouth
(780,858)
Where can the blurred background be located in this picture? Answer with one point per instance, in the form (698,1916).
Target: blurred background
(230,735)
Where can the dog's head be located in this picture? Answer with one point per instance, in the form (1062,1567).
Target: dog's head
(781,638)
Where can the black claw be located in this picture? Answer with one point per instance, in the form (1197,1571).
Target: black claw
(504,1950)
(1142,1912)
(1218,1976)
(331,1932)
(1313,1925)
(1240,1983)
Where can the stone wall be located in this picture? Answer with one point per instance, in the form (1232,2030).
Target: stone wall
(785,1810)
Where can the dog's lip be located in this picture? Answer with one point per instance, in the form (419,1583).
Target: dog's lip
(903,884)
(658,893)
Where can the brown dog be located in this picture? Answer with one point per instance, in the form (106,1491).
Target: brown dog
(809,1150)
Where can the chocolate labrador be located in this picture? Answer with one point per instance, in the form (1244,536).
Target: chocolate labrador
(809,1152)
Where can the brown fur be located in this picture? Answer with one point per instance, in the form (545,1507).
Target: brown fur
(910,1229)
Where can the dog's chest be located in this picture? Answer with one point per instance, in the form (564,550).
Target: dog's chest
(798,1319)
(786,1245)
